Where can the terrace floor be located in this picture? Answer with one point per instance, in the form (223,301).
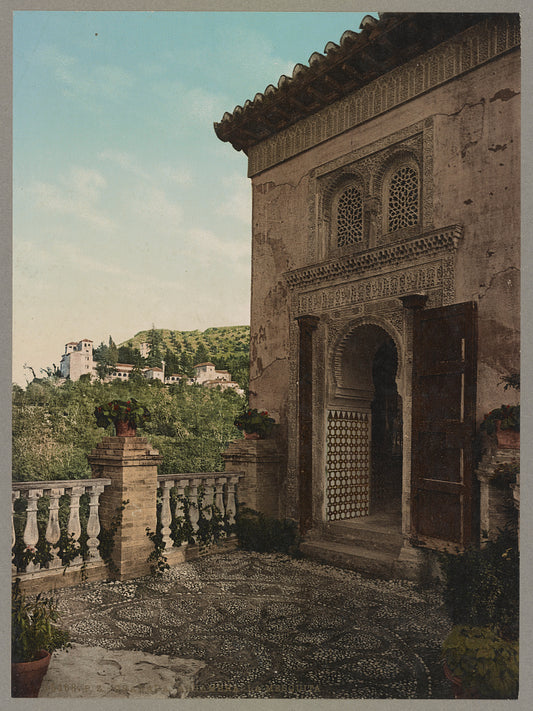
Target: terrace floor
(250,625)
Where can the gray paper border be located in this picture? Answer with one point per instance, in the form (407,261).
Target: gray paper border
(526,658)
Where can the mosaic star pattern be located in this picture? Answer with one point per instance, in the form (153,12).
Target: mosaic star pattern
(270,626)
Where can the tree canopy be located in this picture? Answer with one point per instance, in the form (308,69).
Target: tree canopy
(54,428)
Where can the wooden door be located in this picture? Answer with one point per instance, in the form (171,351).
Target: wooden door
(444,489)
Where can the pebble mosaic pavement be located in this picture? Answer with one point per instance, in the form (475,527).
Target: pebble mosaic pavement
(270,626)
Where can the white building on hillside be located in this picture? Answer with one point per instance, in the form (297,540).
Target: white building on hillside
(77,360)
(206,374)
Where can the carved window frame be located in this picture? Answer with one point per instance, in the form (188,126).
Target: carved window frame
(371,165)
(357,244)
(391,167)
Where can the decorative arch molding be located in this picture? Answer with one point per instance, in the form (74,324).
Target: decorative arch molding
(336,183)
(342,340)
(390,161)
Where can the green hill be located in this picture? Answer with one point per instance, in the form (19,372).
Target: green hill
(228,347)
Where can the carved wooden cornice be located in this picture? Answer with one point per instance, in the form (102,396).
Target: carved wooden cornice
(429,244)
(462,53)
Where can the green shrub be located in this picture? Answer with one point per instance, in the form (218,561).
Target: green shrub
(483,661)
(265,534)
(481,586)
(33,626)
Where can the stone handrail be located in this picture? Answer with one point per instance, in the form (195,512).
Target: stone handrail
(74,488)
(219,488)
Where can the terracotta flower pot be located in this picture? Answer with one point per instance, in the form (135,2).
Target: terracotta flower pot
(125,429)
(27,677)
(507,439)
(459,691)
(252,435)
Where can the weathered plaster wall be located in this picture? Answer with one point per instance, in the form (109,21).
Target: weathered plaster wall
(476,163)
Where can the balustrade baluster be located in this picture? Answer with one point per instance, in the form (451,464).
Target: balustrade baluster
(208,499)
(74,525)
(166,514)
(93,523)
(219,498)
(53,532)
(231,509)
(31,531)
(194,513)
(14,496)
(180,510)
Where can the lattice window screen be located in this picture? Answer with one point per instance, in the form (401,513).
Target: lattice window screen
(348,464)
(349,217)
(403,198)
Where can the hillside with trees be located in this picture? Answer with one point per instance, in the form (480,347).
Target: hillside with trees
(54,428)
(228,347)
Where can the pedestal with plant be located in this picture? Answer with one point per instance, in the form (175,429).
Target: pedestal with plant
(254,424)
(125,415)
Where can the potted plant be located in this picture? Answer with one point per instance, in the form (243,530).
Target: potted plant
(505,422)
(126,415)
(254,424)
(481,664)
(34,636)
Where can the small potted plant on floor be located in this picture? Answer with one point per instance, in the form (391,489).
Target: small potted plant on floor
(254,424)
(34,636)
(125,415)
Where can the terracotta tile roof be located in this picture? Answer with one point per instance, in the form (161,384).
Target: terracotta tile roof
(358,59)
(200,364)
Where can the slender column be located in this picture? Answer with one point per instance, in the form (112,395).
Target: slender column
(166,514)
(93,523)
(53,532)
(74,525)
(31,531)
(307,325)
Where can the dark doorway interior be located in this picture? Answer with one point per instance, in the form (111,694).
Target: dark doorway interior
(386,473)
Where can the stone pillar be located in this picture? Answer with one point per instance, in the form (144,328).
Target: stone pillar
(261,462)
(497,504)
(131,464)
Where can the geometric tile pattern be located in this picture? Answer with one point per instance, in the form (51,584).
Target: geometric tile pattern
(267,626)
(347,464)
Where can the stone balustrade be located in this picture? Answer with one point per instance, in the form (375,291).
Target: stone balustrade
(52,492)
(202,492)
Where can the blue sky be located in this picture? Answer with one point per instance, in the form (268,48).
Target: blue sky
(127,210)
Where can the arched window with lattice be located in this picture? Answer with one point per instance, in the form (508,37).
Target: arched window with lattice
(404,198)
(349,217)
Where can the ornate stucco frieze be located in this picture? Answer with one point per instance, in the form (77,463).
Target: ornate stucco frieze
(466,51)
(378,261)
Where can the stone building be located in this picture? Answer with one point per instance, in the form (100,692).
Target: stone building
(385,277)
(77,360)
